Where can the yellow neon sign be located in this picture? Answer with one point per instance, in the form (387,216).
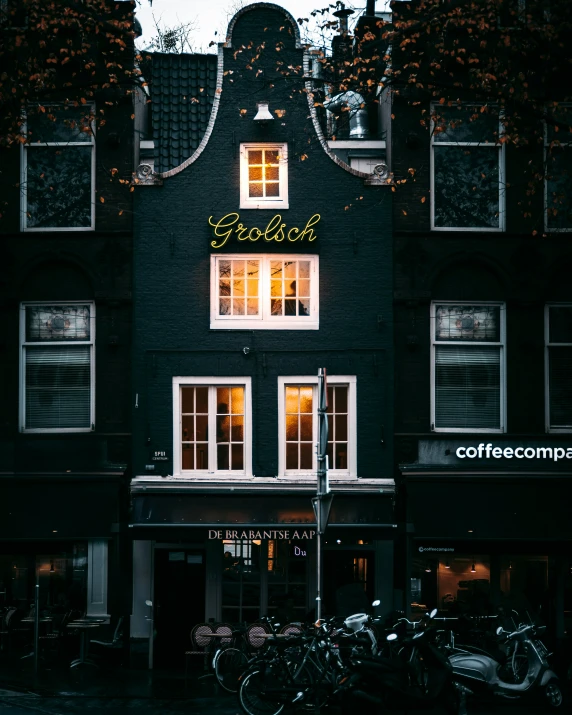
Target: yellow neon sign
(275,230)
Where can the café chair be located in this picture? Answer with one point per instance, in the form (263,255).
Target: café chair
(200,644)
(116,642)
(291,629)
(255,635)
(223,629)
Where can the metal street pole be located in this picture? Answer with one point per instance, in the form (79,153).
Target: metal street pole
(36,624)
(323,499)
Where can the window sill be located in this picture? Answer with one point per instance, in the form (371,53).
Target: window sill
(58,430)
(467,230)
(264,205)
(464,430)
(263,325)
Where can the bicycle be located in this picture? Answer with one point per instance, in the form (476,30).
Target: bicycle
(232,659)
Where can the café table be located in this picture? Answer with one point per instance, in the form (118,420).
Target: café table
(83,627)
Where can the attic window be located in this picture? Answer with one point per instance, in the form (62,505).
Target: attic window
(263,176)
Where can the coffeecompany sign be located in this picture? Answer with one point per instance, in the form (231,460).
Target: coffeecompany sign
(488,451)
(272,534)
(511,453)
(275,230)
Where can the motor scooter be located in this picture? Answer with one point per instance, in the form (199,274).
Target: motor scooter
(477,672)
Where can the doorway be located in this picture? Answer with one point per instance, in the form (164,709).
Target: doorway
(179,589)
(349,582)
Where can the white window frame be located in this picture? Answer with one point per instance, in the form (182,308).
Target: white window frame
(568,144)
(501,344)
(500,147)
(547,346)
(274,202)
(178,383)
(266,321)
(312,380)
(24,178)
(22,376)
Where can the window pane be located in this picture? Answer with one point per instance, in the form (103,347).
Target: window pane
(306,455)
(466,187)
(223,400)
(272,189)
(560,385)
(292,455)
(467,322)
(292,394)
(252,306)
(255,173)
(188,399)
(58,387)
(222,457)
(57,322)
(202,400)
(237,452)
(237,429)
(467,386)
(272,173)
(341,397)
(272,156)
(255,190)
(254,157)
(60,124)
(465,124)
(237,400)
(560,323)
(58,186)
(306,399)
(202,456)
(299,427)
(188,427)
(202,427)
(292,427)
(188,456)
(559,188)
(223,428)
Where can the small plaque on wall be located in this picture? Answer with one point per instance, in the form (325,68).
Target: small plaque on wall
(159,455)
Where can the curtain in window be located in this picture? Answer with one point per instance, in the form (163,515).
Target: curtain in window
(467,387)
(58,386)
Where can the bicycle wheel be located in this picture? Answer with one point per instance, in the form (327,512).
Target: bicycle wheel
(230,664)
(252,694)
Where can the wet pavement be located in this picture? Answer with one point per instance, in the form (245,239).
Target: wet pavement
(122,691)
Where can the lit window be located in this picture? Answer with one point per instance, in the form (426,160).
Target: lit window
(558,331)
(467,175)
(59,170)
(57,367)
(468,372)
(558,160)
(212,426)
(298,425)
(263,176)
(264,292)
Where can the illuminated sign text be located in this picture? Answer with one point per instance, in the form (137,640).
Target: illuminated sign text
(279,534)
(275,230)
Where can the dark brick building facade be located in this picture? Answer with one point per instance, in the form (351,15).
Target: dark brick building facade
(65,302)
(482,327)
(214,269)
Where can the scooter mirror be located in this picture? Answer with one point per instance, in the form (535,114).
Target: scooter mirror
(433,613)
(392,637)
(376,603)
(499,631)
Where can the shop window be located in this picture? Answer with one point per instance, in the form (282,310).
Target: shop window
(287,573)
(212,426)
(58,179)
(61,573)
(263,176)
(298,425)
(468,367)
(57,383)
(467,169)
(264,292)
(558,340)
(242,559)
(558,162)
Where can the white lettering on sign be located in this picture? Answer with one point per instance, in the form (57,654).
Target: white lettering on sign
(488,451)
(274,534)
(299,552)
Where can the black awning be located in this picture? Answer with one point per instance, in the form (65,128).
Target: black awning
(207,510)
(41,507)
(531,509)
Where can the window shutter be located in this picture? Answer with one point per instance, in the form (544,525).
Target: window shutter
(560,385)
(467,387)
(58,386)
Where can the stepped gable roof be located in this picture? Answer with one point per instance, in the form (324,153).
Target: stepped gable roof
(182,88)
